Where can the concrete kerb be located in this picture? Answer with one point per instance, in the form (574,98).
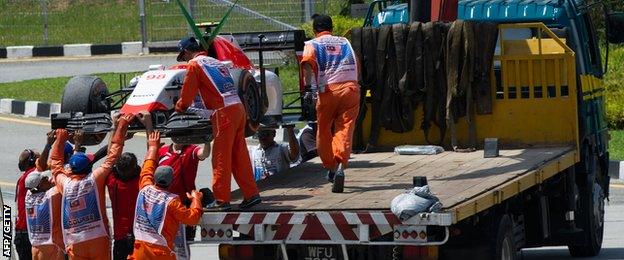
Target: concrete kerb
(28,108)
(616,170)
(16,52)
(131,48)
(87,49)
(83,49)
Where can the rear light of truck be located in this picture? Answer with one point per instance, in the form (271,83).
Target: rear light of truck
(410,233)
(420,252)
(241,252)
(217,232)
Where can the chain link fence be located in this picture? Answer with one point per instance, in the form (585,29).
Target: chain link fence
(57,22)
(166,23)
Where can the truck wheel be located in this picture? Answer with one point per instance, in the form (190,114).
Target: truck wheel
(504,246)
(249,93)
(86,94)
(591,215)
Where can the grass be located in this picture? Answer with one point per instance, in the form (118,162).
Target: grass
(97,21)
(50,90)
(616,145)
(614,83)
(106,21)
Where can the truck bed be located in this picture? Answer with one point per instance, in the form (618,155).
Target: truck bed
(374,179)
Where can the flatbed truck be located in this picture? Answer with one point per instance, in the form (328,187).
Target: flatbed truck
(546,187)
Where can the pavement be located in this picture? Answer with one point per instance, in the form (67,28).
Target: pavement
(20,133)
(35,68)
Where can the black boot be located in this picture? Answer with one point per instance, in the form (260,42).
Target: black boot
(339,180)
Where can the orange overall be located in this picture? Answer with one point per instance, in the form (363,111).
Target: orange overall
(338,104)
(212,81)
(57,250)
(97,248)
(176,213)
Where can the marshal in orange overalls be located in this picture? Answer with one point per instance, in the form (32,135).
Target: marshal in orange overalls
(336,70)
(90,240)
(46,247)
(175,214)
(212,80)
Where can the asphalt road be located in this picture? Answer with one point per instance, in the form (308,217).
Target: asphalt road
(19,133)
(24,69)
(613,240)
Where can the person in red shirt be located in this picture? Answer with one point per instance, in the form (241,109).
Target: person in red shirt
(184,159)
(28,161)
(123,189)
(211,79)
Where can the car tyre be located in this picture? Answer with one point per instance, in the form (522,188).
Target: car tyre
(86,94)
(249,93)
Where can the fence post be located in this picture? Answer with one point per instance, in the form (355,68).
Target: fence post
(192,8)
(307,10)
(44,10)
(143,26)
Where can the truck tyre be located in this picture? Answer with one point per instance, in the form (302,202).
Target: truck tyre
(504,245)
(249,93)
(590,214)
(86,94)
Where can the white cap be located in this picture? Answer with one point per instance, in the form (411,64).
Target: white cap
(34,178)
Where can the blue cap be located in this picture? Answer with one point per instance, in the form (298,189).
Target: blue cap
(79,163)
(186,43)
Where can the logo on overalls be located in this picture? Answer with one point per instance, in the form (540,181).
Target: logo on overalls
(333,49)
(77,205)
(224,71)
(31,212)
(148,208)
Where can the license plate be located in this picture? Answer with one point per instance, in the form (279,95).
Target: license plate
(321,253)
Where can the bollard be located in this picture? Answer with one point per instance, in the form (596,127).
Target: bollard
(419,181)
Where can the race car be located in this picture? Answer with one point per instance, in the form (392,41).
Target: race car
(87,103)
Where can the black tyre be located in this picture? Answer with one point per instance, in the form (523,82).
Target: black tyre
(249,93)
(590,213)
(86,94)
(504,245)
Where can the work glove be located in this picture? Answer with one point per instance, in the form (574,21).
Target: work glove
(308,104)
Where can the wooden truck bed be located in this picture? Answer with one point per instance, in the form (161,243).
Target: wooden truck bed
(466,183)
